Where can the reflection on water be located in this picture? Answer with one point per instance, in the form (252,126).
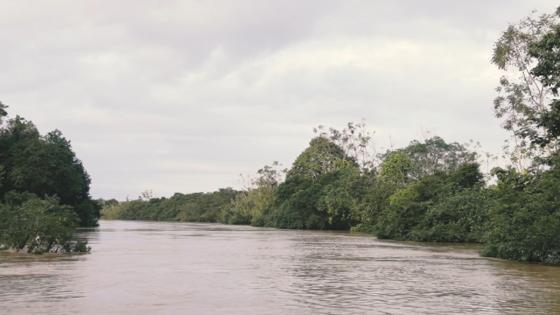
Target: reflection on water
(182,268)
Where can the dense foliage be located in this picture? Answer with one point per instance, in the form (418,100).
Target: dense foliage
(37,225)
(445,206)
(249,206)
(327,189)
(196,207)
(44,188)
(525,217)
(319,190)
(45,166)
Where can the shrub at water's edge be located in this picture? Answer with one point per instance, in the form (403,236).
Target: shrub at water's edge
(34,225)
(525,219)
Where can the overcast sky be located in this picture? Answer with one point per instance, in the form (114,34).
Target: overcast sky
(183,96)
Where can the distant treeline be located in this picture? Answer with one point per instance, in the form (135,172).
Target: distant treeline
(430,190)
(44,189)
(197,207)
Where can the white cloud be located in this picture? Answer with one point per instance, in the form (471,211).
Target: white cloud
(185,95)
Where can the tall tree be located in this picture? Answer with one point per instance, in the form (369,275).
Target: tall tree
(45,166)
(547,70)
(522,96)
(320,189)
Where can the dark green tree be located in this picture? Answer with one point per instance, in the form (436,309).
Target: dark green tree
(36,225)
(45,166)
(320,190)
(523,97)
(547,72)
(525,220)
(445,206)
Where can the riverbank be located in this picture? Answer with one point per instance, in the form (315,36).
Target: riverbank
(69,248)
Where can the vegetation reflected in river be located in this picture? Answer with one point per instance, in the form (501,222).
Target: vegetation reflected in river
(178,268)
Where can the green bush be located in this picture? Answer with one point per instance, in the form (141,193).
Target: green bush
(525,221)
(35,225)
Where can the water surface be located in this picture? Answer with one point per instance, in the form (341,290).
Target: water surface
(185,268)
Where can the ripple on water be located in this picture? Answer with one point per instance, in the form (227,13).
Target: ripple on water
(179,268)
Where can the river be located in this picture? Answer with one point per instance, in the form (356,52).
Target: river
(186,268)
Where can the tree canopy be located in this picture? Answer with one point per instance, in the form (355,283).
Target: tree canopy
(45,166)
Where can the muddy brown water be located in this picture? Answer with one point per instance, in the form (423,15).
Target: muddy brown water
(185,268)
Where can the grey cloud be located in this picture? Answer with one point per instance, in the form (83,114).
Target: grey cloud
(185,95)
